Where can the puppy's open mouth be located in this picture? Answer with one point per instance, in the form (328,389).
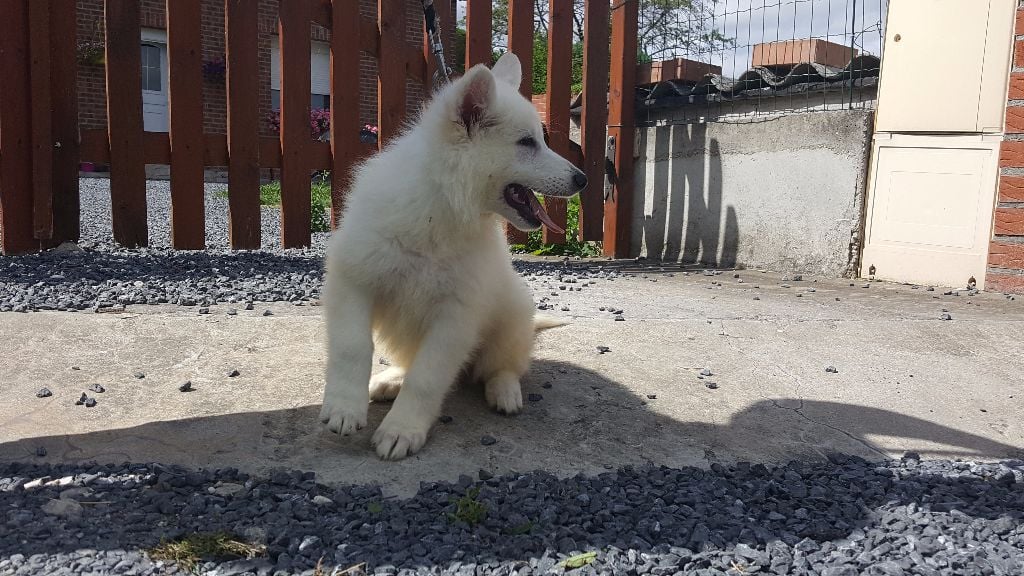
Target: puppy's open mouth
(525,203)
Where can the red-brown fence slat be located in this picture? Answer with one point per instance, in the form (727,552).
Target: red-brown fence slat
(621,126)
(345,96)
(42,143)
(390,78)
(520,43)
(478,32)
(64,120)
(241,31)
(294,30)
(15,132)
(185,59)
(124,121)
(595,117)
(557,97)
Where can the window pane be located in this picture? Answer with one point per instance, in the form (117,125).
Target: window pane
(320,101)
(152,79)
(275,99)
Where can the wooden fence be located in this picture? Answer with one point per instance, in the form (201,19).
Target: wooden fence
(41,145)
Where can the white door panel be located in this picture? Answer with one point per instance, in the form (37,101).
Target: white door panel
(929,215)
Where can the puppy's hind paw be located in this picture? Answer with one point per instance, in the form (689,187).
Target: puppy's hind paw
(504,394)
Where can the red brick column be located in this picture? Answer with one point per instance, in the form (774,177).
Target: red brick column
(1006,253)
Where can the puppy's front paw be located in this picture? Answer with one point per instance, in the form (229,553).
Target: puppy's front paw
(396,440)
(343,415)
(504,394)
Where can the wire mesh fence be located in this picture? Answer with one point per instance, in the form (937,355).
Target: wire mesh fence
(748,60)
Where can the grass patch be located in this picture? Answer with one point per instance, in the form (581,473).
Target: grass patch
(468,509)
(319,201)
(190,551)
(572,247)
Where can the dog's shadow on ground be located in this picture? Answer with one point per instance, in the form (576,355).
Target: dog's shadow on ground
(575,421)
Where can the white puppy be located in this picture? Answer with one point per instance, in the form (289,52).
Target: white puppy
(420,260)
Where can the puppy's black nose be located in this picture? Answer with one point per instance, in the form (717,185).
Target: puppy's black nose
(580,180)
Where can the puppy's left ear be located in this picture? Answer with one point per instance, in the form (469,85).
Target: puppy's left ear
(508,70)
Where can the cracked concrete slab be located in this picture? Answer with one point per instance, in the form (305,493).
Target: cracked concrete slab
(905,381)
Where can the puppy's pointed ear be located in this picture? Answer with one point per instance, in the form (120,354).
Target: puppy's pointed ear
(508,70)
(474,98)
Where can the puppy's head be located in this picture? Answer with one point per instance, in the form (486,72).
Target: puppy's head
(499,140)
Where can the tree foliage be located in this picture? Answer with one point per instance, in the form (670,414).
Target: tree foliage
(666,28)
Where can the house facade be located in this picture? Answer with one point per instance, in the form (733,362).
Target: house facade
(153,47)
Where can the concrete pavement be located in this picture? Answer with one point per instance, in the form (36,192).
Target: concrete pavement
(906,381)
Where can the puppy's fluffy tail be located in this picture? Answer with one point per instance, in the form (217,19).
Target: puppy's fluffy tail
(541,323)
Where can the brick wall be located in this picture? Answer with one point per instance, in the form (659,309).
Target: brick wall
(91,81)
(1006,253)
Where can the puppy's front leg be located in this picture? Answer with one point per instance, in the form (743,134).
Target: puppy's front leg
(446,347)
(348,311)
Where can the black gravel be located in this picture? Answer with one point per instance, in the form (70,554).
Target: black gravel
(843,516)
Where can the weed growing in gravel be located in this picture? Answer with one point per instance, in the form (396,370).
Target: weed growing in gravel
(375,507)
(189,551)
(468,509)
(572,247)
(320,201)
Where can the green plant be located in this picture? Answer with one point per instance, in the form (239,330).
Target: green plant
(319,198)
(573,245)
(374,507)
(189,551)
(468,509)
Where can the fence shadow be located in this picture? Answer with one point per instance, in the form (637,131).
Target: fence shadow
(584,421)
(686,223)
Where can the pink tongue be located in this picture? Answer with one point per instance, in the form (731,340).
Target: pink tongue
(541,215)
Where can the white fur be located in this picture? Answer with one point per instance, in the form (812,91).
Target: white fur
(420,261)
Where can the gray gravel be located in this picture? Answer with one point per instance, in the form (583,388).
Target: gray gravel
(103,275)
(844,516)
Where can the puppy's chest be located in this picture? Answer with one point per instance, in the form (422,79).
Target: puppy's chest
(419,279)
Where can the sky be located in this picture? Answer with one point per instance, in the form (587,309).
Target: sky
(750,22)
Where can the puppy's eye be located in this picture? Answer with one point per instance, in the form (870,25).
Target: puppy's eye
(527,141)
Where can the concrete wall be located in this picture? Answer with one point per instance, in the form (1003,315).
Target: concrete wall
(783,193)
